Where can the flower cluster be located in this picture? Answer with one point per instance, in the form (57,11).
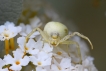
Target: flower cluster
(43,56)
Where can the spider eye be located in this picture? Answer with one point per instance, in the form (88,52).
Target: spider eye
(55,35)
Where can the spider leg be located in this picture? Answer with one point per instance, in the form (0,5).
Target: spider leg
(78,48)
(41,32)
(76,33)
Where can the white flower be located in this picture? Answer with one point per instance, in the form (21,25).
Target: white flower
(88,63)
(44,68)
(31,46)
(34,47)
(42,59)
(59,53)
(40,69)
(21,41)
(18,61)
(8,30)
(2,63)
(35,22)
(26,29)
(83,49)
(41,46)
(47,48)
(64,65)
(79,67)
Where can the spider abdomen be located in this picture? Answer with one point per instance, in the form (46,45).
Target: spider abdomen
(56,29)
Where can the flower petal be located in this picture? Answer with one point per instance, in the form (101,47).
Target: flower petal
(25,61)
(47,47)
(8,59)
(16,67)
(2,63)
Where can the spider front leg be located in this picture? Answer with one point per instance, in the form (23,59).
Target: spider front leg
(76,33)
(78,48)
(44,35)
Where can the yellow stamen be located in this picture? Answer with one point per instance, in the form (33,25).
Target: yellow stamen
(59,53)
(39,63)
(17,62)
(26,48)
(6,46)
(59,68)
(12,43)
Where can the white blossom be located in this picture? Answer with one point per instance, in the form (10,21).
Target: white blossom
(8,30)
(2,63)
(21,42)
(74,51)
(43,68)
(17,61)
(79,67)
(42,59)
(47,48)
(88,63)
(31,46)
(64,65)
(35,22)
(59,53)
(26,29)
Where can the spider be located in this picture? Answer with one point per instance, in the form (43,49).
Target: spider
(56,33)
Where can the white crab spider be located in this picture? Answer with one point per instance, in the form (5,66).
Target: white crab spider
(56,33)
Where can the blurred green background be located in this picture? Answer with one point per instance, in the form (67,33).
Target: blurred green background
(90,18)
